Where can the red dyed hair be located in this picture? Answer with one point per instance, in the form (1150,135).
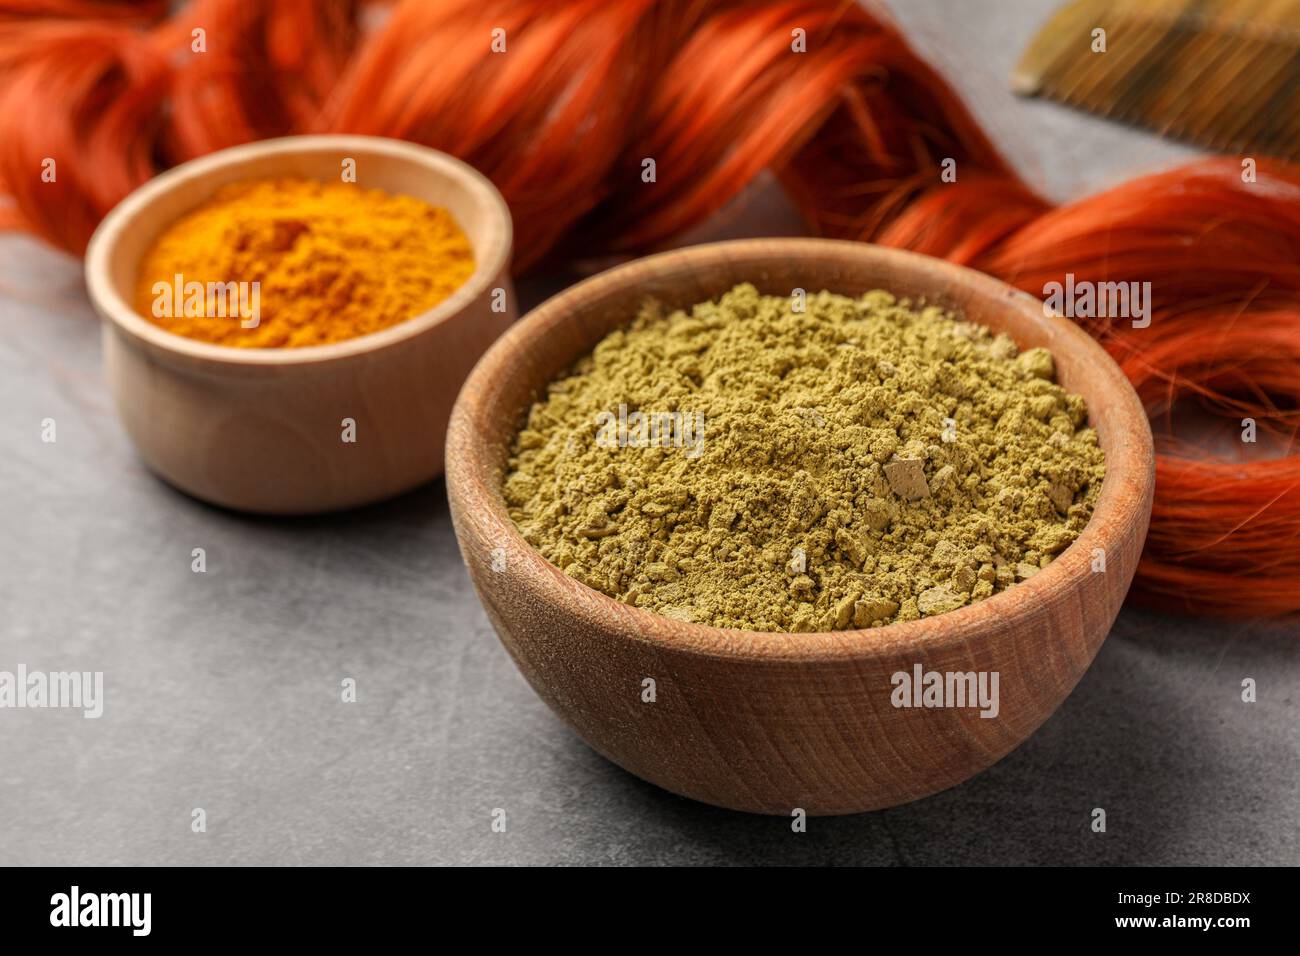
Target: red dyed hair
(856,128)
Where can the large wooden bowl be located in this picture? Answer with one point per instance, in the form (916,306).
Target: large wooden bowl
(774,722)
(261,429)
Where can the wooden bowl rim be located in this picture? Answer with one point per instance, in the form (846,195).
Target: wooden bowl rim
(1129,472)
(490,260)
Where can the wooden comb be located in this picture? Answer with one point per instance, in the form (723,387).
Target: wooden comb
(1224,74)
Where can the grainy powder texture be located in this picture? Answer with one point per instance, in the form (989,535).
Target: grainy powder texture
(332,260)
(850,464)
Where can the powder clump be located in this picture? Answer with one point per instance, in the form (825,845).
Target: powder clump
(332,261)
(751,463)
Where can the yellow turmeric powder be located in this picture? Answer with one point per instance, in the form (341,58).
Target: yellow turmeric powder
(294,262)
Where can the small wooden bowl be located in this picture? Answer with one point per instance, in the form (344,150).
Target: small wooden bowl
(773,722)
(262,429)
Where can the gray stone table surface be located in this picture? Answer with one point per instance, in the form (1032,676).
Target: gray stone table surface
(222,689)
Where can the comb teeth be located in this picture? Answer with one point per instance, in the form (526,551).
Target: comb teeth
(1224,74)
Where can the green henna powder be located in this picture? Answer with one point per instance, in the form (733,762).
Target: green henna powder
(782,465)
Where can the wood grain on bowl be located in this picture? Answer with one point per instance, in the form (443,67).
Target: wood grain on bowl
(260,429)
(769,722)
